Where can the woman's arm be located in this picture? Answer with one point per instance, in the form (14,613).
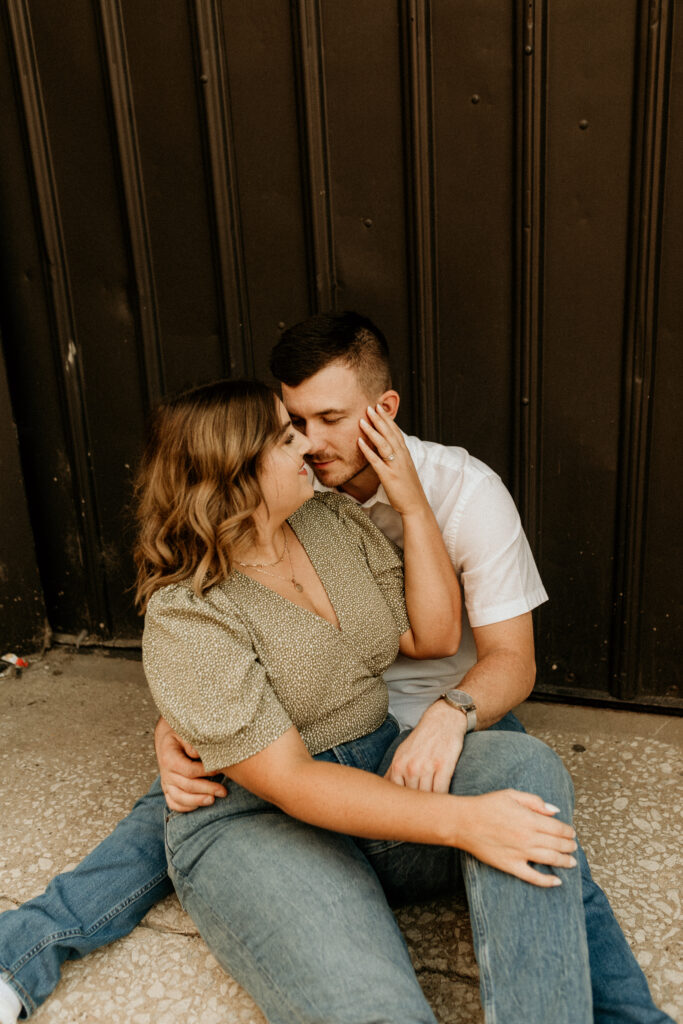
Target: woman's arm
(431,586)
(505,829)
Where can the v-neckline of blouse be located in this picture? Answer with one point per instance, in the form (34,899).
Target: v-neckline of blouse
(321,618)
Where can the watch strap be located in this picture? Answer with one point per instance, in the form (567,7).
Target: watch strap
(469,710)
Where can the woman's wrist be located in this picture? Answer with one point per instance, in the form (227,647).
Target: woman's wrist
(453,822)
(418,512)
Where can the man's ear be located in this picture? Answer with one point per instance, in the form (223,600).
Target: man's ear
(390,402)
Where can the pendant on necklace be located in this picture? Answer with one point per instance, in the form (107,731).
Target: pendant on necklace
(297,586)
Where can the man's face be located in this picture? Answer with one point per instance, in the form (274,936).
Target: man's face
(327,408)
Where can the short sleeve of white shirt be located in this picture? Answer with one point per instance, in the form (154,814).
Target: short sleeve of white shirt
(490,551)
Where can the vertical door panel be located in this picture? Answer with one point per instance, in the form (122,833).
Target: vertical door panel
(164,83)
(365,127)
(105,354)
(661,619)
(589,111)
(22,609)
(475,183)
(35,313)
(260,60)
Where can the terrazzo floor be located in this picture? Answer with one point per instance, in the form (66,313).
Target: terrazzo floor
(76,749)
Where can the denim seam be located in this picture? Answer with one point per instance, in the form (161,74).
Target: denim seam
(225,927)
(71,932)
(477,914)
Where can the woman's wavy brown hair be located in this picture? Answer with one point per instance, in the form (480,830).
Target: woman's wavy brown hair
(197,488)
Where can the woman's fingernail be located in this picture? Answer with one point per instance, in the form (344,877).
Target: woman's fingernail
(363,423)
(551,808)
(572,862)
(557,881)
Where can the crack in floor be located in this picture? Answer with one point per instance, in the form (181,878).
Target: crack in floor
(168,929)
(449,973)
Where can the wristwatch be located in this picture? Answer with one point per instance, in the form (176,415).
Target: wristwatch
(463,702)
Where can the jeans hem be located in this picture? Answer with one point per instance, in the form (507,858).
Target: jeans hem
(28,1005)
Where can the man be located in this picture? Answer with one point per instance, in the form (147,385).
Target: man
(321,388)
(331,368)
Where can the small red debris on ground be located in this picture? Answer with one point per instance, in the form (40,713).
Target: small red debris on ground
(13,659)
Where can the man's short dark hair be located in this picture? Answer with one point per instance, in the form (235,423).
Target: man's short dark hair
(347,338)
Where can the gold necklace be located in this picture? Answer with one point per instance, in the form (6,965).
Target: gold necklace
(259,567)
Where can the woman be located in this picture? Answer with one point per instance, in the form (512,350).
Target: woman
(269,620)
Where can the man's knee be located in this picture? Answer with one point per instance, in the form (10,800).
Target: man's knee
(511,760)
(508,723)
(543,771)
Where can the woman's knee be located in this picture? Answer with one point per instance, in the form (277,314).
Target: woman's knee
(323,947)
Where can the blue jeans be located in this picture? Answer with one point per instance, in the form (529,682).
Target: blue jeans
(112,889)
(297,915)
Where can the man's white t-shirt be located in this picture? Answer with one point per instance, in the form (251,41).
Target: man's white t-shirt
(483,535)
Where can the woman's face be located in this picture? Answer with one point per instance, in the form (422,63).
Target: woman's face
(285,481)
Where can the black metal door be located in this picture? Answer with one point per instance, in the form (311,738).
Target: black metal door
(498,185)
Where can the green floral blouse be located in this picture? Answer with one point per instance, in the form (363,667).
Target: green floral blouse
(232,670)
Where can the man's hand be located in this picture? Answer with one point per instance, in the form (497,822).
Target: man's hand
(427,757)
(183,778)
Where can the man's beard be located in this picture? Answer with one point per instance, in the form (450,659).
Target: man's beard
(343,475)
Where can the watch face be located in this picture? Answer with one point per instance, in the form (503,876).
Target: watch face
(459,697)
(463,702)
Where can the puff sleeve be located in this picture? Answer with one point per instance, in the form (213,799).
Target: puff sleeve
(205,676)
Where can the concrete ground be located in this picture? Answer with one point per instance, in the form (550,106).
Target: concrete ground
(76,749)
